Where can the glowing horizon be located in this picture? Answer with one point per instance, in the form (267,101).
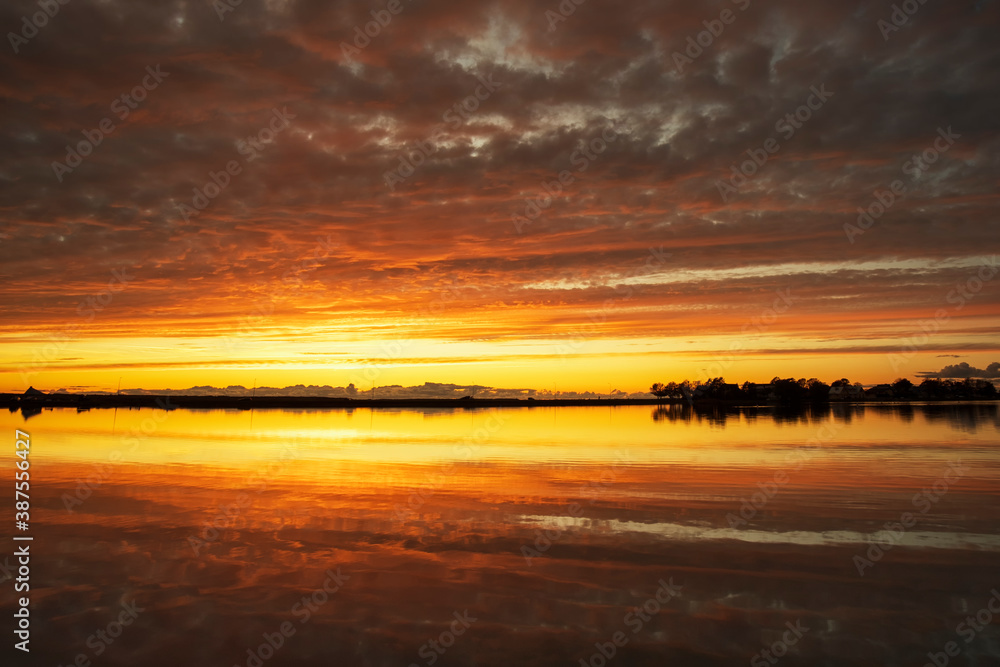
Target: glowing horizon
(507,204)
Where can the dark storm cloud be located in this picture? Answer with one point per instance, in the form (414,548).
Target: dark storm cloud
(351,118)
(964,370)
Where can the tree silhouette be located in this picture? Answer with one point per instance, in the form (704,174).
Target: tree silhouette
(818,391)
(669,390)
(903,388)
(791,391)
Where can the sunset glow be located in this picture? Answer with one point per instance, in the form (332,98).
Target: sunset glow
(483,194)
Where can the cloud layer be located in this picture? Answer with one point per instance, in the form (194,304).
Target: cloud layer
(964,370)
(250,190)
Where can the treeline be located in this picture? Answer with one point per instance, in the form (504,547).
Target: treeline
(790,390)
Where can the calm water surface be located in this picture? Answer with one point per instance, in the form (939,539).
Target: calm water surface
(548,536)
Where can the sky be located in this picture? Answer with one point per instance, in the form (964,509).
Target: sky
(528,195)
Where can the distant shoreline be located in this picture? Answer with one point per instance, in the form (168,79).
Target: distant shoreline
(104,401)
(268,402)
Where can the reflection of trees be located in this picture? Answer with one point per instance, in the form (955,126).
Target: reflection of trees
(801,413)
(963,417)
(685,412)
(714,414)
(675,412)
